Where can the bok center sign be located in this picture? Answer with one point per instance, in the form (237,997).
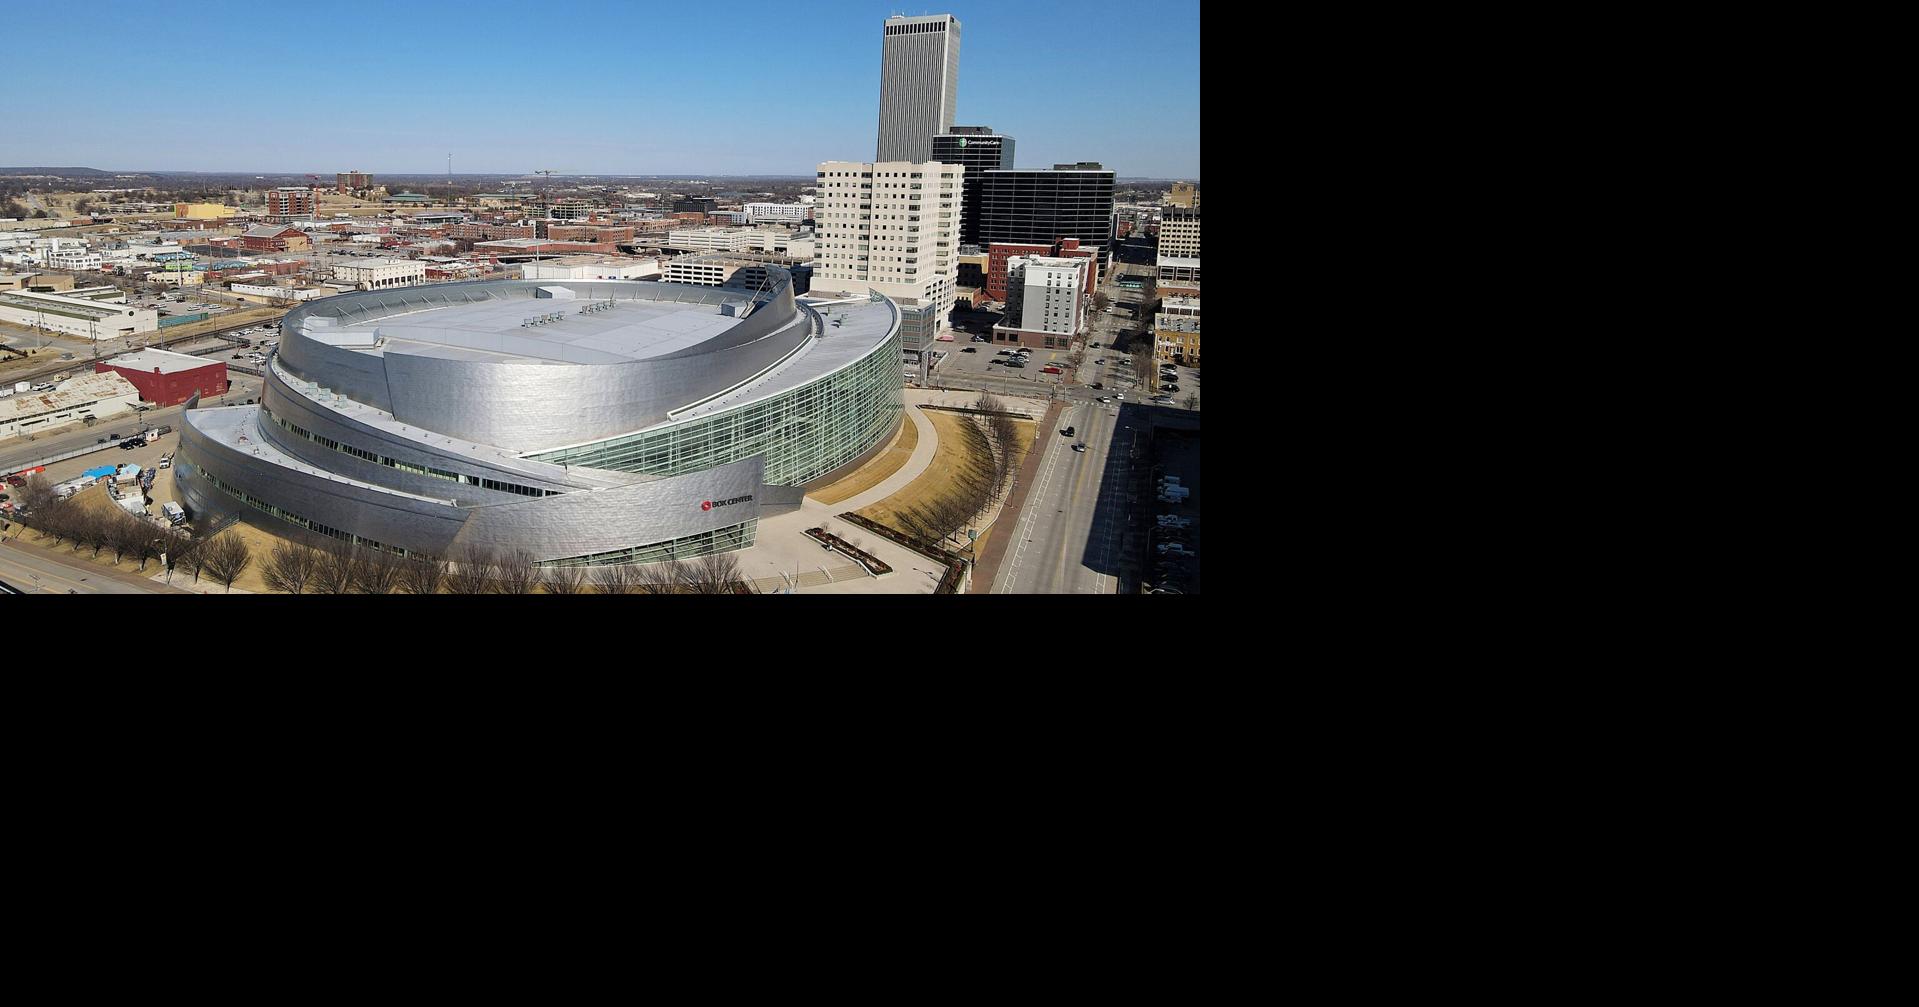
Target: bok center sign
(710,504)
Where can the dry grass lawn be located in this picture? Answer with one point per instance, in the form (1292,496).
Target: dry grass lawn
(877,468)
(950,459)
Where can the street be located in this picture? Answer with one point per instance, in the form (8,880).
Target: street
(37,571)
(1068,532)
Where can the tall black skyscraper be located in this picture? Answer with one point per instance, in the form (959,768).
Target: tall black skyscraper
(980,150)
(1070,201)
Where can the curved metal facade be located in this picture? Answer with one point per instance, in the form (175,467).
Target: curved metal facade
(415,452)
(527,406)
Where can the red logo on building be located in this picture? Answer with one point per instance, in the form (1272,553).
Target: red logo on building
(706,505)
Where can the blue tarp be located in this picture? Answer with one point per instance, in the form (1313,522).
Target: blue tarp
(99,473)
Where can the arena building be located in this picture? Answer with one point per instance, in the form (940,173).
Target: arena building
(587,422)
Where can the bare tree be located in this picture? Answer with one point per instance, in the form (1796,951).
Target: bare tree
(290,567)
(663,578)
(128,533)
(91,531)
(518,572)
(719,573)
(562,579)
(378,571)
(472,572)
(227,557)
(191,555)
(1143,358)
(338,562)
(617,578)
(38,494)
(1191,401)
(145,542)
(423,573)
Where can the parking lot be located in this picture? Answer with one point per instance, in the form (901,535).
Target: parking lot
(981,360)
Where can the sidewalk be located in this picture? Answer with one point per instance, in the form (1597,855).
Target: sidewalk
(987,569)
(916,464)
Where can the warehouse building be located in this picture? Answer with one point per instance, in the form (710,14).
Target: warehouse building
(75,316)
(165,378)
(100,396)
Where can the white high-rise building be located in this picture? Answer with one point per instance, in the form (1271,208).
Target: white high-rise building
(1179,234)
(1045,301)
(890,226)
(919,84)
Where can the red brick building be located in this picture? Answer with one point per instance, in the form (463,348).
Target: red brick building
(489,232)
(589,232)
(999,252)
(274,238)
(166,378)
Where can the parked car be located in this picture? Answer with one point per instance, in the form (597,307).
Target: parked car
(16,482)
(113,437)
(1049,370)
(165,429)
(102,440)
(1004,353)
(970,349)
(1102,400)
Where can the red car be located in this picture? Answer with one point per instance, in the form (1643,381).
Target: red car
(1049,370)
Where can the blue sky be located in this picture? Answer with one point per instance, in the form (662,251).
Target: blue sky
(730,88)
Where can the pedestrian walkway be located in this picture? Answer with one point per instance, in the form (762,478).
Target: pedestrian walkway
(916,463)
(988,566)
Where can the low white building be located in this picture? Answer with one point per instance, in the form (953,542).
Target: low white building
(103,395)
(712,239)
(380,274)
(75,259)
(592,267)
(75,316)
(777,213)
(282,293)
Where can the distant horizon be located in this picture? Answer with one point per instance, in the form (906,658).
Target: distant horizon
(18,172)
(764,89)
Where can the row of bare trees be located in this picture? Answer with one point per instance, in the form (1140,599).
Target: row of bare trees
(222,556)
(988,443)
(340,567)
(335,566)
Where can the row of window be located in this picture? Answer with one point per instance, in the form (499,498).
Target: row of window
(291,518)
(395,463)
(739,536)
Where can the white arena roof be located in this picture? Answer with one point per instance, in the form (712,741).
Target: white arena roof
(496,330)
